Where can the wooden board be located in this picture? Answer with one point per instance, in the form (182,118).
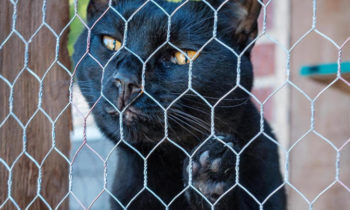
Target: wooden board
(326,74)
(26,133)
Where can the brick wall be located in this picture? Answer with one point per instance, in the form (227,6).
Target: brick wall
(263,58)
(270,64)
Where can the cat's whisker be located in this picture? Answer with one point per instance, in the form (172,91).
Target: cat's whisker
(195,108)
(203,112)
(189,118)
(178,112)
(233,106)
(181,125)
(190,123)
(208,97)
(189,115)
(243,101)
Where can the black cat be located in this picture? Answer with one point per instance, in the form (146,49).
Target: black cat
(163,73)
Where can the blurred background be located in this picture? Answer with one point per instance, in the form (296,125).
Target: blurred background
(295,62)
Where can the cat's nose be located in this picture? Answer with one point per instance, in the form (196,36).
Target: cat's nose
(128,87)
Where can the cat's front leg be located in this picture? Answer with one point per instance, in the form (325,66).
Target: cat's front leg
(213,170)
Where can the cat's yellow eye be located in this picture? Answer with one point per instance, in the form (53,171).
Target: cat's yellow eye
(111,43)
(181,59)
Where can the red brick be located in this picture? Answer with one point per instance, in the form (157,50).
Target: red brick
(262,94)
(263,58)
(269,16)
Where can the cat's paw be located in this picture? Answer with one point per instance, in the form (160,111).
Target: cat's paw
(213,167)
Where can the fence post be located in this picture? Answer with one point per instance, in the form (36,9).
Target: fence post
(34,87)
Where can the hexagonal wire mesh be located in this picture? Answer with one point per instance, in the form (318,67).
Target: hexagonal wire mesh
(166,138)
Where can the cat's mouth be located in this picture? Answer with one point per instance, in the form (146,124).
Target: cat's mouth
(130,116)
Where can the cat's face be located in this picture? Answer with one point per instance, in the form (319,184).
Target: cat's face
(139,68)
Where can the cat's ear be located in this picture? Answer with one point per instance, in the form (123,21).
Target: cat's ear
(243,15)
(96,7)
(247,28)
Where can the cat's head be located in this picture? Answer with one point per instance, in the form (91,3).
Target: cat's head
(138,60)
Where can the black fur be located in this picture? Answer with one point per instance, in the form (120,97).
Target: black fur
(214,73)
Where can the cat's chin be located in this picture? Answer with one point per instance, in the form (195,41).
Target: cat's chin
(131,116)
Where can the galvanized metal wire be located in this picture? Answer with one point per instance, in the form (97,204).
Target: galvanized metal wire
(166,138)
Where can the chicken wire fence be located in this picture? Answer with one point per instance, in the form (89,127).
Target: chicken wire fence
(71,160)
